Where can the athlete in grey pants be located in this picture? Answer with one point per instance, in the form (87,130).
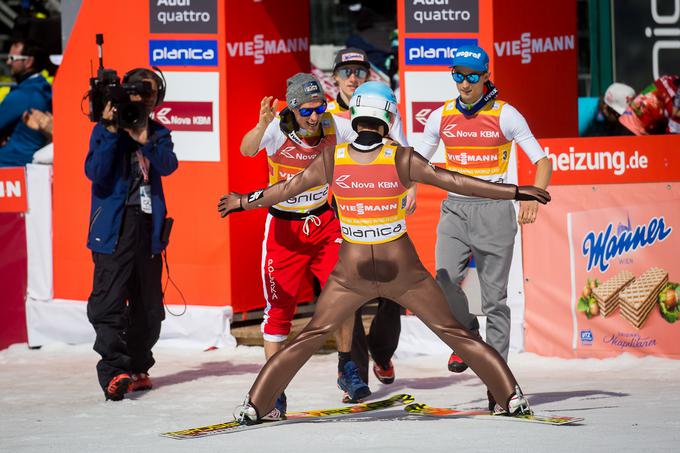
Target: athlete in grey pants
(486,230)
(479,133)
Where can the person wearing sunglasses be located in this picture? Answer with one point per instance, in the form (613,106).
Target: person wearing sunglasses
(32,92)
(478,131)
(377,257)
(351,69)
(302,234)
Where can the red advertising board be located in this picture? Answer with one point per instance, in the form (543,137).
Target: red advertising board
(262,51)
(185,116)
(601,272)
(209,108)
(608,160)
(535,63)
(13,189)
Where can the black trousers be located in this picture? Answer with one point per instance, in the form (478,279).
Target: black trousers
(382,339)
(126,304)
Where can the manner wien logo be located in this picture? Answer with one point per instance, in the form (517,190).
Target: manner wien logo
(601,247)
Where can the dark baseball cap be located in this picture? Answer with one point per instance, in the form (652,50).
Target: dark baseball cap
(351,55)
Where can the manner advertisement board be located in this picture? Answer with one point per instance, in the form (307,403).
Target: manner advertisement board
(611,285)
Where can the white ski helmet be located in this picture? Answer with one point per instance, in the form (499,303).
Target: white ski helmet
(373,100)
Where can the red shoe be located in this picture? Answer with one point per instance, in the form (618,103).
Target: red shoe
(456,364)
(140,381)
(384,375)
(118,387)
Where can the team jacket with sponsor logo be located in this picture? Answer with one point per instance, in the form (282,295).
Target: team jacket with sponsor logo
(480,145)
(409,167)
(475,146)
(292,156)
(370,197)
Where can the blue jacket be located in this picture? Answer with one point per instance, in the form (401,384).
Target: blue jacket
(107,166)
(32,93)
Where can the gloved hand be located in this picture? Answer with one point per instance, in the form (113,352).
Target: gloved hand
(527,193)
(230,203)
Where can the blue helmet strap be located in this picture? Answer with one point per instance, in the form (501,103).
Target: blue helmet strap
(471,110)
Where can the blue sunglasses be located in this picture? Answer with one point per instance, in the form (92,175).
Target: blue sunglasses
(308,112)
(472,77)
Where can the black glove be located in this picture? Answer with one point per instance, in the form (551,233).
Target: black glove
(531,193)
(230,203)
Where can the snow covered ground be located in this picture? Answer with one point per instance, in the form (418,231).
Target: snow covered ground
(50,401)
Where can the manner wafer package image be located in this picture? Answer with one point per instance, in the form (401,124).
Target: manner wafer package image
(621,262)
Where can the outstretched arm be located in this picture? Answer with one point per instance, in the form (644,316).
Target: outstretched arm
(412,167)
(312,176)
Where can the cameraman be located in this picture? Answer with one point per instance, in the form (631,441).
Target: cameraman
(126,221)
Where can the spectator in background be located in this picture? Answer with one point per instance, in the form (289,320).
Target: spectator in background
(26,59)
(392,61)
(41,122)
(674,120)
(611,106)
(650,111)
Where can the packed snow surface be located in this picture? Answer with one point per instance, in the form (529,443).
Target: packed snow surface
(51,402)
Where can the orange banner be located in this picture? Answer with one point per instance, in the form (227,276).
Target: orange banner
(13,189)
(611,285)
(608,160)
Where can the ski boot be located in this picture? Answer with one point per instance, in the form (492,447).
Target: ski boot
(279,411)
(246,413)
(517,405)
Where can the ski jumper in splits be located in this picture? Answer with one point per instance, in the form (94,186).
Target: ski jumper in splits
(377,258)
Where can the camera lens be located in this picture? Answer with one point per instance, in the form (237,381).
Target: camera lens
(132,115)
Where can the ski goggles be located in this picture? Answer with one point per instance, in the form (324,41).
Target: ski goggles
(473,77)
(346,73)
(308,111)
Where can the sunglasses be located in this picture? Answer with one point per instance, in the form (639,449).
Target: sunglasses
(308,111)
(472,77)
(13,58)
(346,73)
